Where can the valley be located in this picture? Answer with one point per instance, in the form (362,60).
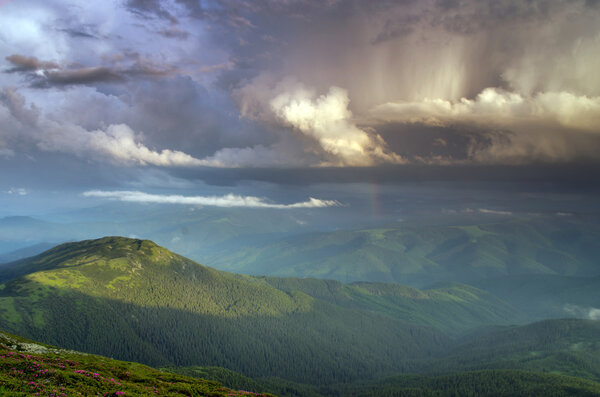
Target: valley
(133,300)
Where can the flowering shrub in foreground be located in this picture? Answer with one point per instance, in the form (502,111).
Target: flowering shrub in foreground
(60,373)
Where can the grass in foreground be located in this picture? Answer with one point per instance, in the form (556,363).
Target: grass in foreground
(35,369)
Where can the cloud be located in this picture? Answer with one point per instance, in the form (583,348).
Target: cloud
(276,155)
(229,200)
(23,63)
(479,65)
(43,74)
(173,32)
(16,106)
(19,191)
(510,127)
(324,125)
(328,120)
(117,143)
(494,212)
(6,153)
(499,108)
(90,75)
(27,129)
(84,32)
(150,8)
(564,213)
(325,119)
(398,27)
(388,56)
(590,313)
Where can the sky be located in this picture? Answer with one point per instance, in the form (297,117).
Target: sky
(291,103)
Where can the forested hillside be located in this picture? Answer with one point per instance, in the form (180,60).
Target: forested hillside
(133,300)
(28,367)
(507,383)
(547,296)
(452,308)
(566,346)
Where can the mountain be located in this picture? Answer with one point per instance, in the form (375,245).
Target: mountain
(548,296)
(551,357)
(28,367)
(502,382)
(134,300)
(420,255)
(188,230)
(452,308)
(563,346)
(303,243)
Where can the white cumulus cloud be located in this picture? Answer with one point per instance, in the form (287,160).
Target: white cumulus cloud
(229,200)
(118,143)
(548,126)
(23,124)
(500,108)
(328,120)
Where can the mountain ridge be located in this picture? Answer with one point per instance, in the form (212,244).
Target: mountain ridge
(134,300)
(171,310)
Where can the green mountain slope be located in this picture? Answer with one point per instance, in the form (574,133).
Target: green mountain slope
(505,383)
(420,254)
(30,368)
(452,308)
(547,296)
(235,380)
(565,346)
(134,300)
(501,382)
(553,357)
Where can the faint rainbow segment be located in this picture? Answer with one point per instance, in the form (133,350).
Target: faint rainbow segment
(375,201)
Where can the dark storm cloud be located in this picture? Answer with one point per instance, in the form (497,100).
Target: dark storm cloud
(42,74)
(577,177)
(93,75)
(302,83)
(49,171)
(22,63)
(455,144)
(16,104)
(430,56)
(150,8)
(182,114)
(397,28)
(419,142)
(403,52)
(470,17)
(76,29)
(174,32)
(78,33)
